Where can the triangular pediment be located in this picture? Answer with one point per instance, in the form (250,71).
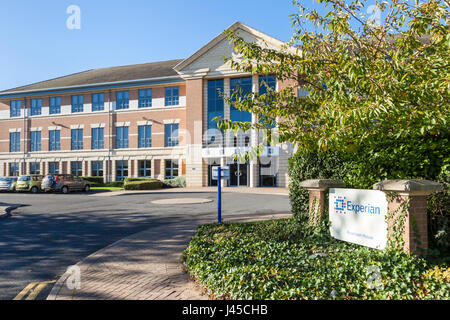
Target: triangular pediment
(209,60)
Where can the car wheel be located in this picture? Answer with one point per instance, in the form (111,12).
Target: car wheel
(87,188)
(34,190)
(65,190)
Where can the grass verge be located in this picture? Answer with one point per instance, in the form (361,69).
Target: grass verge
(283,259)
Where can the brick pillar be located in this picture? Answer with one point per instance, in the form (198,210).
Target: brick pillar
(415,229)
(317,189)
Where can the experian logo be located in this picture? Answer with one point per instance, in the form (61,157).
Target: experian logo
(344,206)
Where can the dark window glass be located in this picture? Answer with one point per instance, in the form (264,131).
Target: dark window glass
(98,102)
(145,136)
(77,139)
(54,140)
(98,138)
(171,135)
(77,103)
(97,168)
(35,141)
(76,168)
(172,97)
(121,137)
(14,142)
(215,102)
(55,105)
(36,107)
(14,110)
(122,100)
(145,98)
(242,87)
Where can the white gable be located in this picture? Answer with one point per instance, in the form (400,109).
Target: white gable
(209,60)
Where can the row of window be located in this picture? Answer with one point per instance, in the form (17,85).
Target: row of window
(172,98)
(238,87)
(76,168)
(171,132)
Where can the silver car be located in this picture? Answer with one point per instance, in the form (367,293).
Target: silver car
(8,183)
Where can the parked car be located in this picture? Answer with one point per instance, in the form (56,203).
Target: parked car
(64,183)
(8,183)
(31,182)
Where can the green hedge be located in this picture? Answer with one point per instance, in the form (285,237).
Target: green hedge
(133,179)
(304,166)
(283,259)
(115,184)
(97,180)
(144,185)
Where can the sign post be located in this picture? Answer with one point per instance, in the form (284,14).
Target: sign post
(219,174)
(219,195)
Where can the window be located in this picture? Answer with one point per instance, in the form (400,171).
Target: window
(145,98)
(122,100)
(97,168)
(171,135)
(14,110)
(54,141)
(77,139)
(242,87)
(172,96)
(302,92)
(14,169)
(36,107)
(121,170)
(171,169)
(77,103)
(55,105)
(98,138)
(76,168)
(121,137)
(14,142)
(98,102)
(145,136)
(35,168)
(144,168)
(215,102)
(53,167)
(266,82)
(35,141)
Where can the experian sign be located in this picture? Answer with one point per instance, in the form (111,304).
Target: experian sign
(359,216)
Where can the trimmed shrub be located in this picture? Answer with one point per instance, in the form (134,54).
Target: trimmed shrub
(178,182)
(97,180)
(115,184)
(144,185)
(133,179)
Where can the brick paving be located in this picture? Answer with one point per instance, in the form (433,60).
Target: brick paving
(144,266)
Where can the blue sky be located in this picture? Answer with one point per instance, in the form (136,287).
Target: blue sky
(36,44)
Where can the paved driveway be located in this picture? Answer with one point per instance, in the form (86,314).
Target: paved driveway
(53,231)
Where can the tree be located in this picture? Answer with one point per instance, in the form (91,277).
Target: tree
(367,82)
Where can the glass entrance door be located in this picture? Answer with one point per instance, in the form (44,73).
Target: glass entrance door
(238,174)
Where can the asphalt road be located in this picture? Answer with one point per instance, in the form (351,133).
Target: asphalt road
(53,231)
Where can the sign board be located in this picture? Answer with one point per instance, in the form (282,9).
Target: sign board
(225,173)
(359,216)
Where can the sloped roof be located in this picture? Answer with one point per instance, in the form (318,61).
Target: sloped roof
(105,75)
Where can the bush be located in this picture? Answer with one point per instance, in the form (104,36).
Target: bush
(280,259)
(304,166)
(133,179)
(144,185)
(178,182)
(97,180)
(114,184)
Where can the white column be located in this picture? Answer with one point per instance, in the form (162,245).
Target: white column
(106,175)
(253,164)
